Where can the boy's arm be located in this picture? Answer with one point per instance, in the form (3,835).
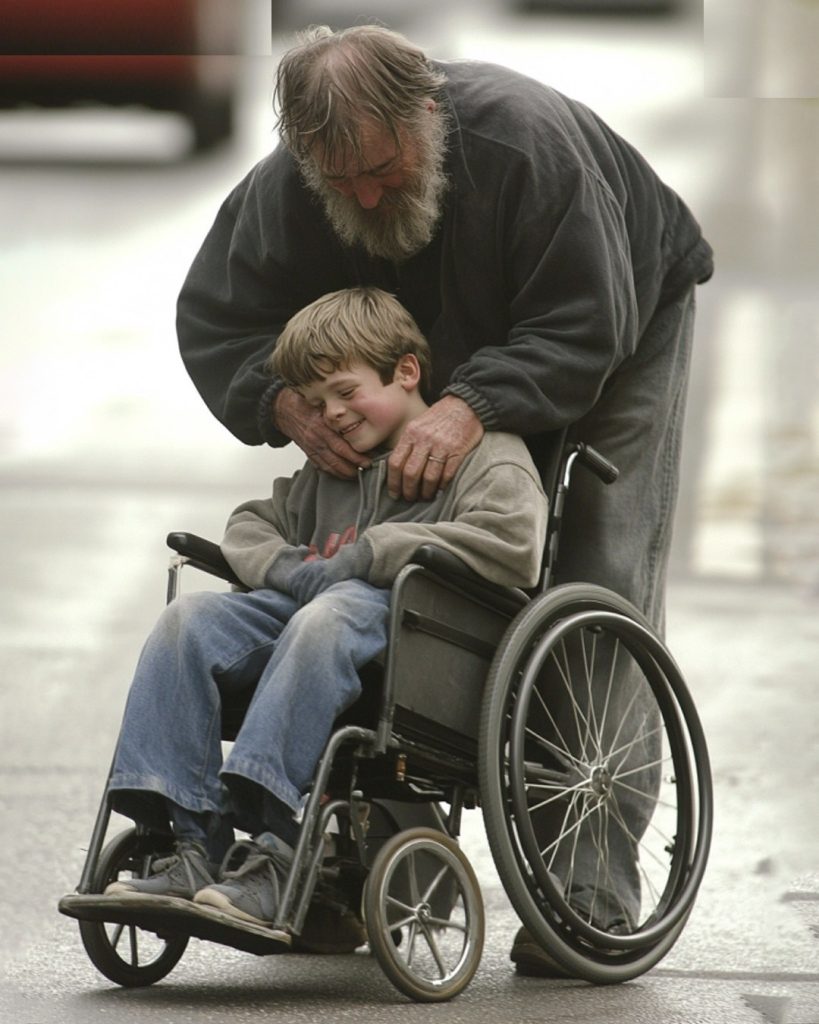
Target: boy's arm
(261,557)
(262,542)
(498,528)
(255,539)
(262,537)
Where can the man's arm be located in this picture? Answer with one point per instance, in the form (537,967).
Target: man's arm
(268,254)
(432,449)
(326,449)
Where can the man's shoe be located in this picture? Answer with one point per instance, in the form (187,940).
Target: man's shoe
(330,929)
(181,875)
(251,892)
(532,960)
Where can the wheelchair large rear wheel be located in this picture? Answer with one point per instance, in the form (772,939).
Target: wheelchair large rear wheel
(424,914)
(595,783)
(127,955)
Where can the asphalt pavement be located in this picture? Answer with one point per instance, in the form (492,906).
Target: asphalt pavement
(106,448)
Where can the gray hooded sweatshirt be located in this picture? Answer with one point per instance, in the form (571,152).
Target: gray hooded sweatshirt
(492,515)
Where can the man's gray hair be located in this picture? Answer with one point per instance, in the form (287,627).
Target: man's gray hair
(330,83)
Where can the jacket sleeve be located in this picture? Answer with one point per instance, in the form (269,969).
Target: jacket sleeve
(570,298)
(261,531)
(497,527)
(266,255)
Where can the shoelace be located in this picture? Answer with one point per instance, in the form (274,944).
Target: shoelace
(255,857)
(180,858)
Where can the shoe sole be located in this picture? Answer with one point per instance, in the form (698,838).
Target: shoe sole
(531,961)
(118,890)
(168,916)
(218,901)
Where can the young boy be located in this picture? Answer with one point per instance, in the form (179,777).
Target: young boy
(319,556)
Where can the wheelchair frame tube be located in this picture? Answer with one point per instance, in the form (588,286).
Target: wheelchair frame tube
(309,831)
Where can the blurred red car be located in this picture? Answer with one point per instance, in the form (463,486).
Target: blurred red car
(177,55)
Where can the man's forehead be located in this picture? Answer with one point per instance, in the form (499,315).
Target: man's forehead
(377,148)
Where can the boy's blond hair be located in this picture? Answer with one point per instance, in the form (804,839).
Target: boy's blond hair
(354,325)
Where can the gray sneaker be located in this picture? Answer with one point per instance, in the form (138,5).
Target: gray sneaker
(182,875)
(251,892)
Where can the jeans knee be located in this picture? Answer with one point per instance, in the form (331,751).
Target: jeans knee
(189,614)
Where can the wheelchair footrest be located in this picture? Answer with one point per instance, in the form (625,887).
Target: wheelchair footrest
(167,916)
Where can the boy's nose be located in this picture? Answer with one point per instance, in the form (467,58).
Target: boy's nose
(333,409)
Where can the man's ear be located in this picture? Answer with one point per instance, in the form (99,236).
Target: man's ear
(408,372)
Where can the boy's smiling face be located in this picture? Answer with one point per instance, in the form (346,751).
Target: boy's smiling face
(363,410)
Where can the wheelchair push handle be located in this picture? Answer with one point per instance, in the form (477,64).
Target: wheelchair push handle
(597,463)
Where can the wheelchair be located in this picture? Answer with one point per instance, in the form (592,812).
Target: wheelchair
(558,712)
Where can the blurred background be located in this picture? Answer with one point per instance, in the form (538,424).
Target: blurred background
(123,127)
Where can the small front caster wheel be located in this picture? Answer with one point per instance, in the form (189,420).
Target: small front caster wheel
(422,888)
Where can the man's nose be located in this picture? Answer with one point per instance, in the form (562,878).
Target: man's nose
(367,192)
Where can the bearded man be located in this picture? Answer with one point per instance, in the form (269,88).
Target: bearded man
(551,270)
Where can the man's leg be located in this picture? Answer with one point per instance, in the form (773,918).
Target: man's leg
(618,537)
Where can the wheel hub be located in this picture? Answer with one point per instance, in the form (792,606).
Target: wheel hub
(600,781)
(423,912)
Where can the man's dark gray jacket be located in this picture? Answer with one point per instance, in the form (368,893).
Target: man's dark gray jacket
(557,245)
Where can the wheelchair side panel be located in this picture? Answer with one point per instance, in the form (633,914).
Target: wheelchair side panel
(442,644)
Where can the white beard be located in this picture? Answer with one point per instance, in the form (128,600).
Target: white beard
(405,220)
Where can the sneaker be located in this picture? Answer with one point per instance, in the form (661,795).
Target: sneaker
(532,960)
(181,875)
(330,929)
(251,892)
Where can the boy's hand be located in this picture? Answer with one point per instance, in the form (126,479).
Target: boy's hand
(305,425)
(352,561)
(431,449)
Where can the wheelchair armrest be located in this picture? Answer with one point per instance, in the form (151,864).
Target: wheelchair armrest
(205,555)
(450,567)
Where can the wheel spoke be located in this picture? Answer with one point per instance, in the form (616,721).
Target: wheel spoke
(116,935)
(433,947)
(588,670)
(610,686)
(620,820)
(558,796)
(657,801)
(638,737)
(577,711)
(641,768)
(409,913)
(447,924)
(555,726)
(433,885)
(604,859)
(553,748)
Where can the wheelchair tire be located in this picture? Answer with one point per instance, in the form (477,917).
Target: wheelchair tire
(428,957)
(589,740)
(127,955)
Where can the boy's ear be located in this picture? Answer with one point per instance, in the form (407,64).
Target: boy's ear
(408,372)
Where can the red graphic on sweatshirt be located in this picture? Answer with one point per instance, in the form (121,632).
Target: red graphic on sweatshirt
(334,542)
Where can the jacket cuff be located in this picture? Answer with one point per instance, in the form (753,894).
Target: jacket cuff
(476,402)
(264,415)
(287,562)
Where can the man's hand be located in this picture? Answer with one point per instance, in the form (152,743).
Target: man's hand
(305,425)
(431,449)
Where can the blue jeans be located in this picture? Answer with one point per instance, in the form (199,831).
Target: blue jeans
(299,663)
